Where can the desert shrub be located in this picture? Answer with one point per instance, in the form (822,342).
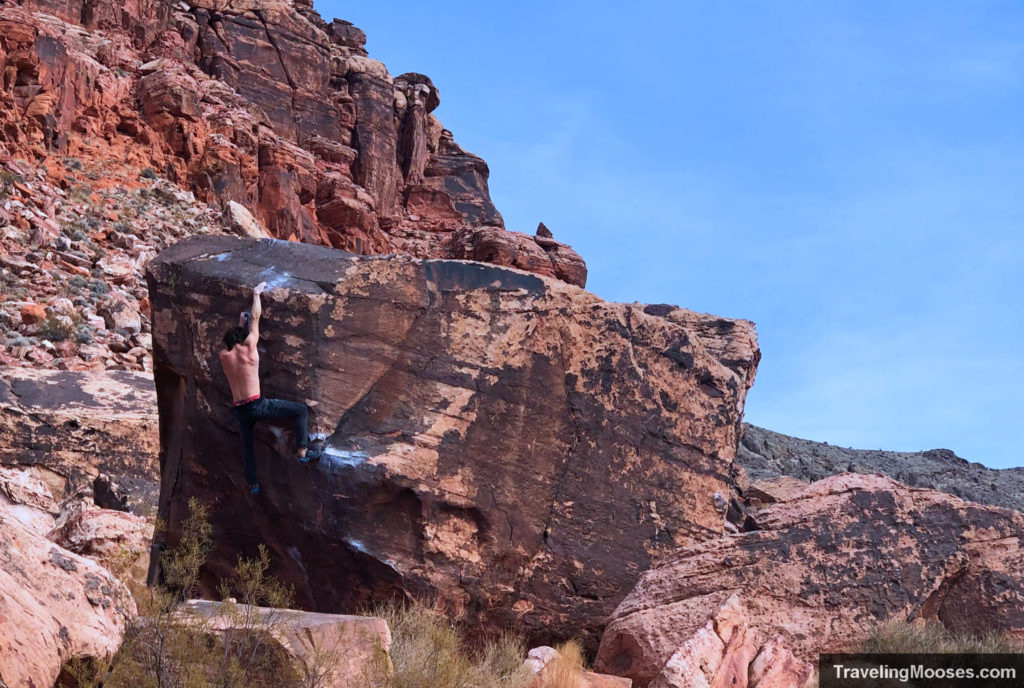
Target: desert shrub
(173,645)
(897,636)
(428,650)
(7,180)
(566,670)
(58,328)
(148,173)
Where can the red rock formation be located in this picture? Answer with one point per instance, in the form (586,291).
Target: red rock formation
(257,102)
(823,567)
(504,441)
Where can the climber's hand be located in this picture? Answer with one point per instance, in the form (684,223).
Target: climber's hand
(259,288)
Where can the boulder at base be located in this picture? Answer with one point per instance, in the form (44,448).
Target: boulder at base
(329,650)
(506,443)
(54,606)
(826,566)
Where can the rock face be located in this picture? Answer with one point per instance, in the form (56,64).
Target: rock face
(821,569)
(765,455)
(71,426)
(254,102)
(726,651)
(504,441)
(54,606)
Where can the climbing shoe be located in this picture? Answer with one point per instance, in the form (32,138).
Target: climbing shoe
(254,489)
(311,456)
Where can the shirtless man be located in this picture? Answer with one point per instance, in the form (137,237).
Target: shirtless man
(241,362)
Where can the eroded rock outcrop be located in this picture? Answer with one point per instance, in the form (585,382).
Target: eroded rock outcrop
(727,651)
(511,444)
(72,426)
(254,102)
(823,568)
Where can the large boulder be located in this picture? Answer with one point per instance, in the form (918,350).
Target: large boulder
(823,568)
(509,444)
(54,606)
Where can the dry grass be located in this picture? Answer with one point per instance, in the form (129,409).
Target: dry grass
(900,637)
(430,651)
(566,670)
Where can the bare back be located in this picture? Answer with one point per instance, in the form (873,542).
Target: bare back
(242,366)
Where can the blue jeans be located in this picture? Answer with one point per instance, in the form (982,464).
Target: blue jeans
(268,409)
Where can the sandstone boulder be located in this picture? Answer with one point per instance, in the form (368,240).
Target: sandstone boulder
(328,650)
(54,606)
(27,498)
(726,651)
(823,568)
(102,534)
(510,444)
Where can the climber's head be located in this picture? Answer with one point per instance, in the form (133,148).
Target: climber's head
(236,335)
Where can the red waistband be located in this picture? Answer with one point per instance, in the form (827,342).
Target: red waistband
(243,402)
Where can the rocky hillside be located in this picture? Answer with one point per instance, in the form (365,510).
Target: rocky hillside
(765,455)
(264,104)
(262,118)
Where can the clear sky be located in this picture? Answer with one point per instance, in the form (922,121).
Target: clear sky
(848,175)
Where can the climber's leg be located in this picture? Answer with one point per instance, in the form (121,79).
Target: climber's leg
(274,409)
(246,425)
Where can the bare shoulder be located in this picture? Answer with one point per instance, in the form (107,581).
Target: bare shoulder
(248,351)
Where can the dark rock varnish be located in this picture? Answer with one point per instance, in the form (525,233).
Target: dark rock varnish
(508,443)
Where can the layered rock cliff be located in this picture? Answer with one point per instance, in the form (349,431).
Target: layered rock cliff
(262,104)
(504,442)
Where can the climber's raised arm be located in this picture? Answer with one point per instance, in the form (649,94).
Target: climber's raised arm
(254,318)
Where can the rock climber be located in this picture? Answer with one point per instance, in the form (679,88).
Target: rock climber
(241,361)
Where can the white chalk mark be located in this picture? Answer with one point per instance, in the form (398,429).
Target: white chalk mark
(275,278)
(345,458)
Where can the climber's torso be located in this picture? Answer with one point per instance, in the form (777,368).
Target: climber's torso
(242,366)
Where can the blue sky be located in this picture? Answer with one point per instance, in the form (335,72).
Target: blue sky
(848,175)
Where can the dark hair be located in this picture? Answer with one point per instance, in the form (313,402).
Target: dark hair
(236,335)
